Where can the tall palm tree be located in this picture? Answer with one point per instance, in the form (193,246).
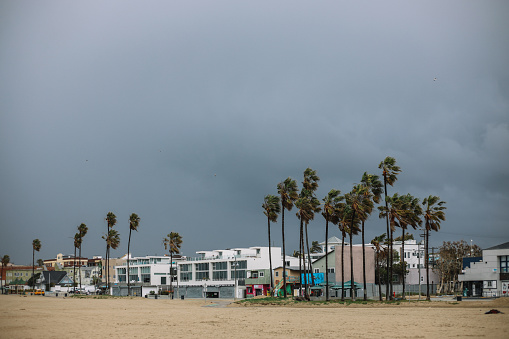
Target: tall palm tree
(377,245)
(36,246)
(315,247)
(134,222)
(112,242)
(271,209)
(433,215)
(111,220)
(402,211)
(287,190)
(390,173)
(358,207)
(77,244)
(309,187)
(372,191)
(172,242)
(82,230)
(330,204)
(5,260)
(343,225)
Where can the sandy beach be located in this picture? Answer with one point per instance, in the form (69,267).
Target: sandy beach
(50,317)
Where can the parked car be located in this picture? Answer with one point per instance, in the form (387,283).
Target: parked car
(39,292)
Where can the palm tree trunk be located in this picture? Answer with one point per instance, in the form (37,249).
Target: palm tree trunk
(426,238)
(74,271)
(326,259)
(270,261)
(343,266)
(80,266)
(403,266)
(303,256)
(364,264)
(127,273)
(379,280)
(352,285)
(387,292)
(33,269)
(283,236)
(171,273)
(390,267)
(310,263)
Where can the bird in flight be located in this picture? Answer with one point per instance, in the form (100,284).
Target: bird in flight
(435,79)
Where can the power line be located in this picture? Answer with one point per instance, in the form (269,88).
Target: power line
(473,235)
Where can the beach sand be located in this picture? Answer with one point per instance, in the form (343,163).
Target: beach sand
(50,317)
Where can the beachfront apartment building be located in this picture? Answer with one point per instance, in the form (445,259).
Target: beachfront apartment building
(227,273)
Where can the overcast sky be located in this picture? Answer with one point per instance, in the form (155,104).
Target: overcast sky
(189,112)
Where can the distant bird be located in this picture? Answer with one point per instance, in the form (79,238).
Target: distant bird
(435,79)
(214,174)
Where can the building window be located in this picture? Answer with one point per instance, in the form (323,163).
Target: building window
(317,270)
(277,274)
(260,274)
(254,274)
(504,264)
(163,280)
(331,270)
(186,276)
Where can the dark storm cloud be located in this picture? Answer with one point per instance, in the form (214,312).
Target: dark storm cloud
(189,113)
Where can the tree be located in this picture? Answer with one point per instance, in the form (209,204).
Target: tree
(433,215)
(287,190)
(40,262)
(5,261)
(77,244)
(372,191)
(343,225)
(36,246)
(112,242)
(111,220)
(358,207)
(308,205)
(390,173)
(172,242)
(402,211)
(134,222)
(82,230)
(271,209)
(330,205)
(315,247)
(379,251)
(450,262)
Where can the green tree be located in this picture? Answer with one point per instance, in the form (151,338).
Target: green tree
(40,262)
(390,174)
(134,222)
(271,209)
(5,261)
(82,230)
(172,242)
(111,220)
(287,190)
(315,247)
(330,205)
(433,215)
(36,246)
(343,225)
(372,192)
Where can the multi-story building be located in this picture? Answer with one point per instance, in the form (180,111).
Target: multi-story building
(415,260)
(488,275)
(227,273)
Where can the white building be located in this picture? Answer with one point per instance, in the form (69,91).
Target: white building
(223,273)
(487,275)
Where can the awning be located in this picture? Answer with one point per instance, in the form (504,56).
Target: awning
(348,285)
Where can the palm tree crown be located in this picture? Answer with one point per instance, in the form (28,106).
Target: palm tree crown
(433,212)
(389,170)
(271,207)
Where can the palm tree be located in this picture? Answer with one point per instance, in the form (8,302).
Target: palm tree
(372,191)
(358,208)
(77,244)
(172,242)
(330,205)
(36,246)
(377,245)
(309,186)
(402,211)
(82,230)
(134,222)
(5,260)
(112,241)
(315,247)
(343,225)
(111,220)
(271,209)
(287,190)
(433,215)
(390,172)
